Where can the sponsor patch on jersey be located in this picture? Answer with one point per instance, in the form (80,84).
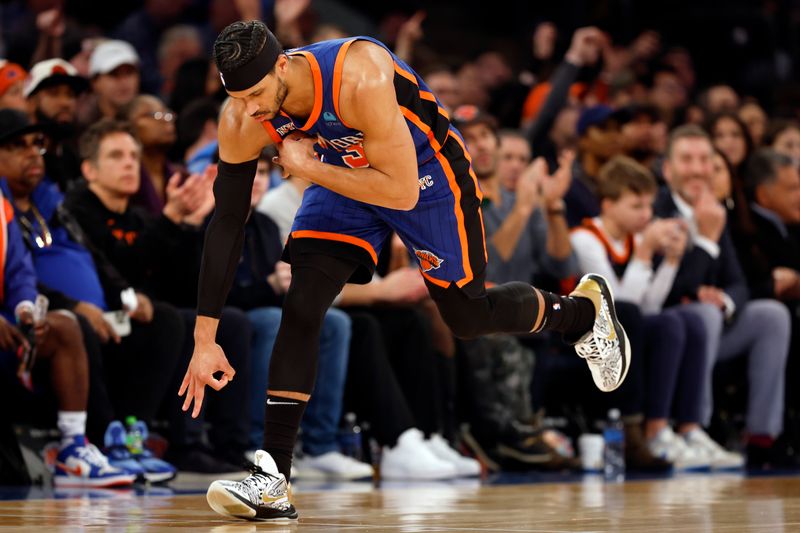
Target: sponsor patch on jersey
(330,119)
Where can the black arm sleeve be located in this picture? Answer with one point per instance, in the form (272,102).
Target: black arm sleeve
(225,235)
(562,79)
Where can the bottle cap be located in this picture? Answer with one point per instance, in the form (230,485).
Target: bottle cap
(614,414)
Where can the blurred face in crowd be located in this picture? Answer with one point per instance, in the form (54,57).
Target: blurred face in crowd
(720,178)
(58,103)
(154,122)
(688,168)
(603,142)
(22,164)
(787,142)
(514,157)
(729,139)
(722,98)
(177,52)
(261,182)
(118,87)
(695,115)
(13,97)
(659,137)
(494,69)
(482,145)
(445,86)
(680,60)
(631,212)
(115,172)
(756,121)
(668,92)
(638,136)
(782,195)
(471,87)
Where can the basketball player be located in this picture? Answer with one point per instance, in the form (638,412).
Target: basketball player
(357,122)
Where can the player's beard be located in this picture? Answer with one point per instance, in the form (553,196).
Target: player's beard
(280,95)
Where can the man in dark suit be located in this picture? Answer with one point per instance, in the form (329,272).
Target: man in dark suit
(711,283)
(768,250)
(771,259)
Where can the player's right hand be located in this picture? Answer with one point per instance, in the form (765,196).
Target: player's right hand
(295,153)
(207,360)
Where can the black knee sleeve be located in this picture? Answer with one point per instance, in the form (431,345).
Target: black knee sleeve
(316,281)
(508,308)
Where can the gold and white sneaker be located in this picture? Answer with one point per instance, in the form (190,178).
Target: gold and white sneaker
(605,347)
(263,495)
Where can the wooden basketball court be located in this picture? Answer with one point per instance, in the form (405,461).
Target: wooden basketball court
(701,503)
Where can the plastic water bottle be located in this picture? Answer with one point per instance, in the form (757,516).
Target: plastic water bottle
(614,454)
(350,437)
(134,438)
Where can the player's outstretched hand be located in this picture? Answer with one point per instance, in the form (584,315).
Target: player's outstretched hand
(207,360)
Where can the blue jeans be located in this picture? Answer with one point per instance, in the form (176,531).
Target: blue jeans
(320,423)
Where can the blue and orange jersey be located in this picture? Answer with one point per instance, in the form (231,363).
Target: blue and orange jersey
(17,276)
(340,144)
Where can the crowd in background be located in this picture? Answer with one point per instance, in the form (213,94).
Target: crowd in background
(603,150)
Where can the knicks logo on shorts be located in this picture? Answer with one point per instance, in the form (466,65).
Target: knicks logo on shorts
(427,260)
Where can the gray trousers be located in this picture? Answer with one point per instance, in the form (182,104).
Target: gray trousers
(762,332)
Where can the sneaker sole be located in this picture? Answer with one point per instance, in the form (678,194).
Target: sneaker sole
(227,504)
(625,346)
(159,477)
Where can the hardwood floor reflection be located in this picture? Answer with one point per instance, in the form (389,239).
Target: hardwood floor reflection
(701,503)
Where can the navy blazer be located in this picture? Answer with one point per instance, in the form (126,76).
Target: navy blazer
(698,267)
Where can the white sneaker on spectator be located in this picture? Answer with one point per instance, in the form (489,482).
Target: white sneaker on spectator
(331,466)
(720,458)
(465,466)
(667,445)
(411,459)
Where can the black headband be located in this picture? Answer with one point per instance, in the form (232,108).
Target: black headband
(247,75)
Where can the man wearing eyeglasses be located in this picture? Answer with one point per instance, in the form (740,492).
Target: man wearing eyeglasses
(52,93)
(54,336)
(139,366)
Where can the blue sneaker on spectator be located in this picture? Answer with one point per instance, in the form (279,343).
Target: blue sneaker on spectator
(155,470)
(81,464)
(116,448)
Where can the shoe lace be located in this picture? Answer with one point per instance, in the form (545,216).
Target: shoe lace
(93,456)
(589,350)
(257,481)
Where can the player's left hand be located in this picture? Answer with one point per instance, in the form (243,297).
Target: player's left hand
(295,154)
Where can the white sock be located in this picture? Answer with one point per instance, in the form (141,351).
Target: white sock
(71,423)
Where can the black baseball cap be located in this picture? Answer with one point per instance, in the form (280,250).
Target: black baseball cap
(15,123)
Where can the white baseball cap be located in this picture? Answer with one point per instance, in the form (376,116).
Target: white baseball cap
(111,54)
(54,72)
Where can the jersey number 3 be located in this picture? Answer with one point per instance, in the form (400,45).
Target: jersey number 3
(355,157)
